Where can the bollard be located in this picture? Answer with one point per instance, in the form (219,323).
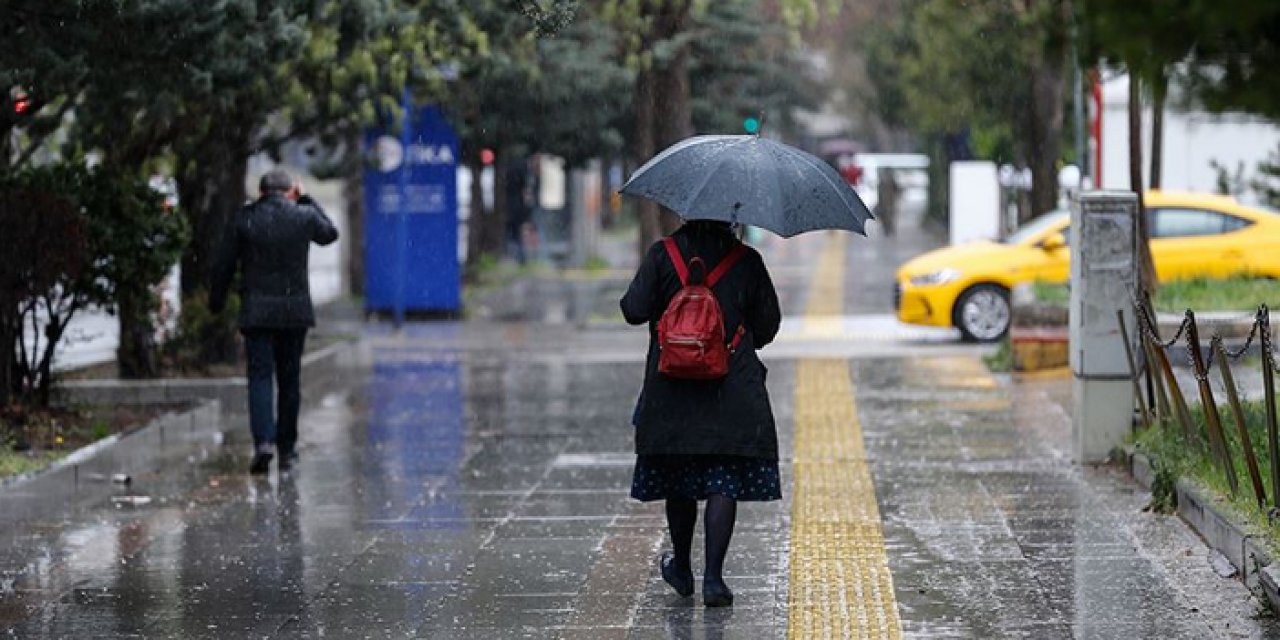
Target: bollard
(1102,273)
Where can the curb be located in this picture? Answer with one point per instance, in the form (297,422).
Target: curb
(1220,530)
(84,476)
(231,392)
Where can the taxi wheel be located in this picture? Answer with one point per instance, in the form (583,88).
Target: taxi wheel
(983,313)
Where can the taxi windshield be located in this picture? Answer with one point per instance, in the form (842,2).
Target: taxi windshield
(1036,227)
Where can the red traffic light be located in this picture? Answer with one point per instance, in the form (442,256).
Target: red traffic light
(486,157)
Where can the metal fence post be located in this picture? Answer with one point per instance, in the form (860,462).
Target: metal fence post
(1269,393)
(1162,409)
(1246,444)
(1133,369)
(1189,431)
(1213,424)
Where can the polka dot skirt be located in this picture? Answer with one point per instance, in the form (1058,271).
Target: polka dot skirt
(659,477)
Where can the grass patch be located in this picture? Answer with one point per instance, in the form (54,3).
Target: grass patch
(1174,457)
(1238,293)
(596,264)
(1058,294)
(1002,360)
(14,463)
(30,439)
(489,272)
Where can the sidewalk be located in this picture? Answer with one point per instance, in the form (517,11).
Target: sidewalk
(470,480)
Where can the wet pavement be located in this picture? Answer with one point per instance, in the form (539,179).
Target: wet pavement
(469,480)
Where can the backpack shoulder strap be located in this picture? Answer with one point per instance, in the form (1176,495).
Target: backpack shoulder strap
(726,264)
(677,260)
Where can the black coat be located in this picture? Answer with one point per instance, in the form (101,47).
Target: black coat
(728,416)
(269,241)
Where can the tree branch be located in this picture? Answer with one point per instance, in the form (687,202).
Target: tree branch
(38,142)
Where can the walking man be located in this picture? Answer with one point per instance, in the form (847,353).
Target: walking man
(268,243)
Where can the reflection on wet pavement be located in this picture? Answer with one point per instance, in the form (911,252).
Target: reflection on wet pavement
(993,533)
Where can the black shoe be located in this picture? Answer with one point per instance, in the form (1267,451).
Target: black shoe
(287,461)
(715,593)
(682,582)
(261,461)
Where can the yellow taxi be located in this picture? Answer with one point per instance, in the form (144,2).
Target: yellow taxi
(1192,235)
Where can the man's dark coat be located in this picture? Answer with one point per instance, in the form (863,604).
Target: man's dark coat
(269,241)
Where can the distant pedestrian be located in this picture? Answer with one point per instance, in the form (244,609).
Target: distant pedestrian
(705,439)
(268,243)
(518,209)
(887,192)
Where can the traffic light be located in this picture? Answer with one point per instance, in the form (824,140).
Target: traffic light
(21,101)
(751,124)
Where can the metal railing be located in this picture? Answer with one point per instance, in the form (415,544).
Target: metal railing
(1163,404)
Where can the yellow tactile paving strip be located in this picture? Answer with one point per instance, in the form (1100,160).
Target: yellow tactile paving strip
(840,586)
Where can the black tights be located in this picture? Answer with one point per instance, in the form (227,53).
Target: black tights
(682,517)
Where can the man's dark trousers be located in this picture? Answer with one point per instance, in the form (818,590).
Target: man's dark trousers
(274,353)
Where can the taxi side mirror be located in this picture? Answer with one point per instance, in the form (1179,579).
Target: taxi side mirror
(1054,242)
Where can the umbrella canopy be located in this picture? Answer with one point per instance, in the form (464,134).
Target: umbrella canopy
(751,180)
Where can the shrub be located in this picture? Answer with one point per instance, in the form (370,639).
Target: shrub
(75,237)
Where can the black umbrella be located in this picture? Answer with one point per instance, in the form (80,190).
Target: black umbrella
(751,180)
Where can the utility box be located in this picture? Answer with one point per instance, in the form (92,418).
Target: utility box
(411,217)
(1103,241)
(975,202)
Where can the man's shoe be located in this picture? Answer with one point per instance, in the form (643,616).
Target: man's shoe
(287,460)
(261,463)
(262,459)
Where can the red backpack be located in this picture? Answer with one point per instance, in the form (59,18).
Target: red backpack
(691,332)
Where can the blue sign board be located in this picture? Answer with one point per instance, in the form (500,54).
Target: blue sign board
(411,217)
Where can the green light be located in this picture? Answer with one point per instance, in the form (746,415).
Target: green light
(751,125)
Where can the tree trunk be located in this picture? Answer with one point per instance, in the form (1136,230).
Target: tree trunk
(1159,90)
(1045,128)
(673,111)
(498,221)
(9,344)
(353,197)
(136,356)
(1146,268)
(54,329)
(212,190)
(475,220)
(642,148)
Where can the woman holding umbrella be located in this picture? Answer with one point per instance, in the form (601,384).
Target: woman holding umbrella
(705,439)
(712,437)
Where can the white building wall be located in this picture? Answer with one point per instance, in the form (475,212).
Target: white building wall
(1192,140)
(975,201)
